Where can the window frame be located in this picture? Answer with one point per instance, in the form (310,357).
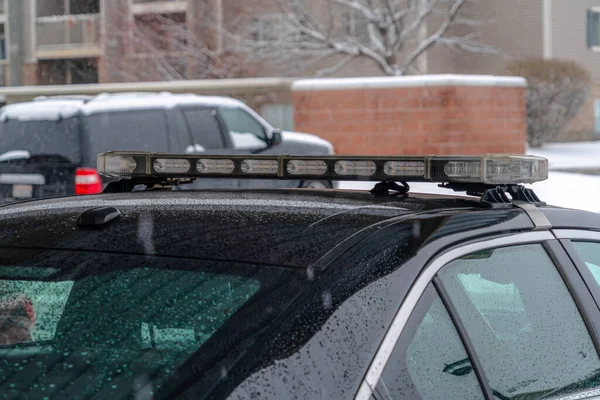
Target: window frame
(593,38)
(178,139)
(566,238)
(223,132)
(567,269)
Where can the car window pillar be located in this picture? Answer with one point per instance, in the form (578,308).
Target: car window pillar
(465,339)
(567,237)
(410,301)
(574,276)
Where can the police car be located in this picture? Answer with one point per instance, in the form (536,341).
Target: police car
(144,292)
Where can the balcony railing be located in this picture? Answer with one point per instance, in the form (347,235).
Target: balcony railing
(64,32)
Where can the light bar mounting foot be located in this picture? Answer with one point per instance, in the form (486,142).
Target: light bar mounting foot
(495,196)
(383,188)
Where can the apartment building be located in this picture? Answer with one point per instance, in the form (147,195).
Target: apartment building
(90,41)
(87,41)
(566,29)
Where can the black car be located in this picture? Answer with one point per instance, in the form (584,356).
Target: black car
(48,146)
(301,294)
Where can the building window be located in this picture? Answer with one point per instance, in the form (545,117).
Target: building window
(274,27)
(2,43)
(356,26)
(593,28)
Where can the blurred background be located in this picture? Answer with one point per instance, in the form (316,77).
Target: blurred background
(369,76)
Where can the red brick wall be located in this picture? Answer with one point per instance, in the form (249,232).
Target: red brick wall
(457,116)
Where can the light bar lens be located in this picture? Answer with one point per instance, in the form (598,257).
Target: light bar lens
(119,164)
(356,168)
(260,167)
(468,170)
(171,165)
(404,168)
(306,167)
(507,169)
(208,166)
(488,170)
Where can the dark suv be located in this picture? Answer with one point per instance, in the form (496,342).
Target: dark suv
(48,146)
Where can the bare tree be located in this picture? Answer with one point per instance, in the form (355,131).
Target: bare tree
(163,48)
(557,89)
(391,33)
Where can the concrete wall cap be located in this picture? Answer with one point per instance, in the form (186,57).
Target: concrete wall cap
(386,82)
(240,85)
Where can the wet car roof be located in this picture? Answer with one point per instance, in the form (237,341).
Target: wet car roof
(292,228)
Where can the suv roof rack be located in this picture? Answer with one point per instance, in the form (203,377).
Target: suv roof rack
(106,95)
(82,97)
(490,176)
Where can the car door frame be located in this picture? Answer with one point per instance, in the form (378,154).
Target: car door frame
(566,238)
(227,142)
(429,269)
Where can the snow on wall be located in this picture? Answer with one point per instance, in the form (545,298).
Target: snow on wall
(408,81)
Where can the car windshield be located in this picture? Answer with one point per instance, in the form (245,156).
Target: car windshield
(45,137)
(100,325)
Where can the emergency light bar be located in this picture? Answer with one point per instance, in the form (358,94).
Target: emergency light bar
(488,169)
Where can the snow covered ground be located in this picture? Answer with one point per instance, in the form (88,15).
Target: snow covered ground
(562,189)
(570,155)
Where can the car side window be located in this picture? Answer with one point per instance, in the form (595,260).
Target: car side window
(590,253)
(205,127)
(181,137)
(429,360)
(244,129)
(524,326)
(144,130)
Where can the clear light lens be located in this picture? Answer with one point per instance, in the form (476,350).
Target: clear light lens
(468,170)
(207,166)
(361,168)
(514,169)
(119,164)
(171,165)
(262,167)
(306,167)
(404,168)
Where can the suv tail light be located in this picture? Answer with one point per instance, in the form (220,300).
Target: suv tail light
(87,181)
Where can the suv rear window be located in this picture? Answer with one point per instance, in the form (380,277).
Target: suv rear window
(144,130)
(45,137)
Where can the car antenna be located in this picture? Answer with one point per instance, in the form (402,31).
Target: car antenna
(98,217)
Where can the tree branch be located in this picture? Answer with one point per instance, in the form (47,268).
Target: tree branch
(332,70)
(431,40)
